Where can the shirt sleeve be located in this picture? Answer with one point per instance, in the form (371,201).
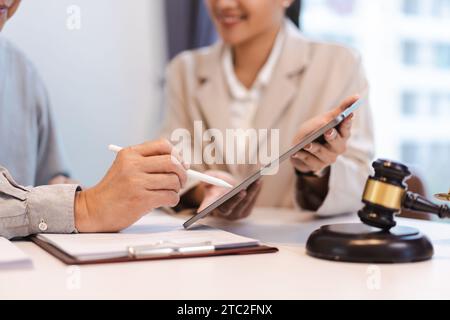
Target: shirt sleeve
(349,174)
(28,211)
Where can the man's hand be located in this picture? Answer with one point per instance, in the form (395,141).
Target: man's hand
(238,207)
(142,178)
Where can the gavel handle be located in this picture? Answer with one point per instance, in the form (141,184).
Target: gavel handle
(415,202)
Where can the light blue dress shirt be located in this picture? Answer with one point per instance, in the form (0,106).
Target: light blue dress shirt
(29,146)
(30,151)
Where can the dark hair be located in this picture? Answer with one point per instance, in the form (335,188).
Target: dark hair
(293,12)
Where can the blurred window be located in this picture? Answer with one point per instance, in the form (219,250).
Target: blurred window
(405,46)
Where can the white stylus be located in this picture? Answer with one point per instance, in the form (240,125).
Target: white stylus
(191,173)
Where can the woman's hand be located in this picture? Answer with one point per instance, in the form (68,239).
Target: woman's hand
(317,157)
(238,207)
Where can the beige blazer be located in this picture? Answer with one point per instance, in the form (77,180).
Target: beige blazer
(310,78)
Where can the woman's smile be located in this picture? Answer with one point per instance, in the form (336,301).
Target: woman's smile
(7,9)
(3,11)
(230,19)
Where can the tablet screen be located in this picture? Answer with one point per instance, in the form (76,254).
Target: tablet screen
(259,173)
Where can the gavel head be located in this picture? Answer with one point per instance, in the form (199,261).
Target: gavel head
(384,193)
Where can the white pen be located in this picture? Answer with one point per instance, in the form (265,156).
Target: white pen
(191,173)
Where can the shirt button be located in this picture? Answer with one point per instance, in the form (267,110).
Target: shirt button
(43,226)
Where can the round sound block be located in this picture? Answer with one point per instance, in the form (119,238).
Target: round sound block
(361,243)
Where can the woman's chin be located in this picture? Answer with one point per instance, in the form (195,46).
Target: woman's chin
(233,39)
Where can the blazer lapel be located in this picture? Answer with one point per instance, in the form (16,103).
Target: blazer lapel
(212,94)
(213,98)
(283,86)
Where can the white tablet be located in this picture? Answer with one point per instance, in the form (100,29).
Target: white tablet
(258,174)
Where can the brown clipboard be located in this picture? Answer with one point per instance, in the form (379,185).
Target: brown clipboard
(70,260)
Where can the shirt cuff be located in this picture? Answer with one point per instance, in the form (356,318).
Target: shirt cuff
(50,209)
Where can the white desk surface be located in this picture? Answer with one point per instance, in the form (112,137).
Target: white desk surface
(288,274)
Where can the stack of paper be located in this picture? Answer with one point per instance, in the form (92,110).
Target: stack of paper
(151,230)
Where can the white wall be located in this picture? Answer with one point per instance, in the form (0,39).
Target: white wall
(103,79)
